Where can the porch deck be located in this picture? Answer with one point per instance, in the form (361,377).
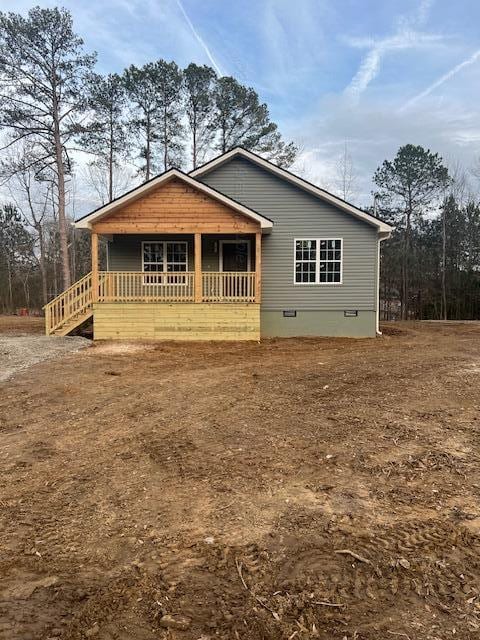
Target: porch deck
(75,305)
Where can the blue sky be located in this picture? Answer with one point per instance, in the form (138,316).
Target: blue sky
(373,73)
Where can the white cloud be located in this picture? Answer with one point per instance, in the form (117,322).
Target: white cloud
(374,132)
(370,65)
(418,16)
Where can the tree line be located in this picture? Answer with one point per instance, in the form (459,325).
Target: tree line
(430,267)
(54,105)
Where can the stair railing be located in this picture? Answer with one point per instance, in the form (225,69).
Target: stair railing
(73,301)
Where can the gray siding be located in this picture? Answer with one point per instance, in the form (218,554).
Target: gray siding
(317,323)
(125,251)
(297,214)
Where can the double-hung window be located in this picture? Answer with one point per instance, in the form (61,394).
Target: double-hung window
(318,261)
(160,259)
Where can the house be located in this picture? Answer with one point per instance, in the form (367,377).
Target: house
(238,249)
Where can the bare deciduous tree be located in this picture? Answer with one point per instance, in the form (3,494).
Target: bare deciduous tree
(32,197)
(346,177)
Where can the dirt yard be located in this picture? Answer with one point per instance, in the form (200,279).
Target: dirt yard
(21,325)
(295,489)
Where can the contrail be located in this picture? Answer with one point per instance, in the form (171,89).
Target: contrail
(473,58)
(405,37)
(199,39)
(366,73)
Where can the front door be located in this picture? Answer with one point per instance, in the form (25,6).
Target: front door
(235,255)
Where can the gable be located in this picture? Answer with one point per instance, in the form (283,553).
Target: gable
(294,211)
(232,162)
(175,207)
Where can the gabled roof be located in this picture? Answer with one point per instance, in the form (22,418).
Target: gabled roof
(240,152)
(86,221)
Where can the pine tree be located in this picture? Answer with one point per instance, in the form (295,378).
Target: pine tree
(170,104)
(155,93)
(198,84)
(43,70)
(411,184)
(240,119)
(142,93)
(106,138)
(16,248)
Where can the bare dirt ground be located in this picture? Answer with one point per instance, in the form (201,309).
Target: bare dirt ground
(20,325)
(294,489)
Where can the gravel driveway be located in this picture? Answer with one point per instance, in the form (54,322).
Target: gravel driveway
(20,352)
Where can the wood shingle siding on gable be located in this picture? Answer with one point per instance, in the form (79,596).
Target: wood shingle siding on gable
(175,208)
(298,214)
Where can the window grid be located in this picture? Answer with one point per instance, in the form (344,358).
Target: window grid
(164,257)
(318,260)
(153,256)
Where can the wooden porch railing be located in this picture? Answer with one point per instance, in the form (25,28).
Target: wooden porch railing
(143,286)
(74,301)
(228,286)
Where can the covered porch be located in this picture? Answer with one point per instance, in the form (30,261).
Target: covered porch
(217,268)
(184,262)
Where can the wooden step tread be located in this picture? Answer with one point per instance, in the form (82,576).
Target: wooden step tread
(72,323)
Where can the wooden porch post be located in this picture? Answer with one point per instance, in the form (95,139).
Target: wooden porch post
(94,267)
(258,267)
(198,268)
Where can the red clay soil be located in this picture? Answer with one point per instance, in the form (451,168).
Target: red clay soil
(293,489)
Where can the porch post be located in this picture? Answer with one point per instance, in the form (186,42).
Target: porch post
(94,267)
(198,268)
(258,267)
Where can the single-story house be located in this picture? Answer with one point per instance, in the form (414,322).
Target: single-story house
(238,249)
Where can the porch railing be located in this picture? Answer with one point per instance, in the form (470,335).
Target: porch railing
(228,286)
(142,286)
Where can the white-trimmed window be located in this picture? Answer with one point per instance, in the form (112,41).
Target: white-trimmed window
(162,258)
(318,260)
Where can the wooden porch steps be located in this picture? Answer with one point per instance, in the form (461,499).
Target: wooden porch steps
(72,323)
(70,309)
